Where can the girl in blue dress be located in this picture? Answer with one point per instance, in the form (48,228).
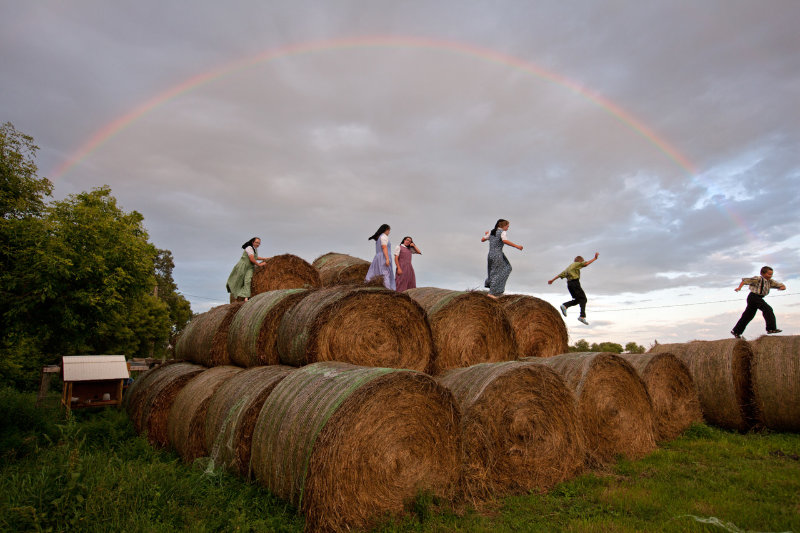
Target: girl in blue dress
(382,263)
(499,268)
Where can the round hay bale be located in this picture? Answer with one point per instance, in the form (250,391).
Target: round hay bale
(134,397)
(205,339)
(340,269)
(676,404)
(285,271)
(253,333)
(519,428)
(232,413)
(351,445)
(721,373)
(538,327)
(160,395)
(613,404)
(776,381)
(468,328)
(367,326)
(187,416)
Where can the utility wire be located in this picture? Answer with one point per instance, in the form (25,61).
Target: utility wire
(681,305)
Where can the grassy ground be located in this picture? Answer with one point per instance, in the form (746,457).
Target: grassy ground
(93,473)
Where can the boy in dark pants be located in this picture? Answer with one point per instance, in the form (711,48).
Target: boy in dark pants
(573,275)
(759,287)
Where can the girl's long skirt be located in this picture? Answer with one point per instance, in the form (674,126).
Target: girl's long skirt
(239,281)
(406,280)
(379,268)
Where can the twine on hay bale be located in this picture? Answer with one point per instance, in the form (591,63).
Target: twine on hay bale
(369,326)
(519,428)
(232,413)
(253,333)
(285,271)
(351,445)
(676,404)
(468,328)
(205,339)
(721,373)
(340,269)
(133,400)
(187,416)
(161,392)
(612,403)
(539,329)
(776,381)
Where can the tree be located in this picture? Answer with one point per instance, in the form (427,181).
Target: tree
(580,346)
(22,192)
(632,347)
(180,311)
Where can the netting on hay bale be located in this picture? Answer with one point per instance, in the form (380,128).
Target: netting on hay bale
(539,329)
(133,400)
(285,271)
(351,445)
(520,431)
(776,381)
(253,333)
(676,404)
(232,414)
(156,402)
(468,328)
(205,339)
(612,403)
(187,416)
(340,269)
(369,326)
(721,373)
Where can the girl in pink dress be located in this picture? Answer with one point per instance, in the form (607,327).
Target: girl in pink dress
(405,279)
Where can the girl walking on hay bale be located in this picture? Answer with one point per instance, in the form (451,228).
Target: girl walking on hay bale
(406,279)
(573,275)
(759,288)
(498,266)
(381,264)
(242,274)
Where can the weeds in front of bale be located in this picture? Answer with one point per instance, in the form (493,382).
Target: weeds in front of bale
(24,426)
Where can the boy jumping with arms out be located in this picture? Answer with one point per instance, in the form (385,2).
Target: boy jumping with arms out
(573,275)
(759,288)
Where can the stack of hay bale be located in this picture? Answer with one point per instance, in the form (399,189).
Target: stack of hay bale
(449,392)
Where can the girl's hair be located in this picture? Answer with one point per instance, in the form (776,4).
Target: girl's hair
(250,242)
(500,222)
(578,259)
(404,239)
(383,228)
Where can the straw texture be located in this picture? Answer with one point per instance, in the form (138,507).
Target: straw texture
(368,326)
(253,333)
(468,328)
(613,404)
(721,373)
(285,271)
(232,413)
(340,269)
(520,431)
(776,381)
(539,329)
(676,404)
(205,339)
(187,416)
(351,445)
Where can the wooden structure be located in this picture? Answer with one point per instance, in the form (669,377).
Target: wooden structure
(93,380)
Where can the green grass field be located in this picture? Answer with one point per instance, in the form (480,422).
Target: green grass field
(92,473)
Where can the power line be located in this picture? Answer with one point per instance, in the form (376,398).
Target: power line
(682,305)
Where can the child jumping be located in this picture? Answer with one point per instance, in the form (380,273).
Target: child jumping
(759,288)
(573,275)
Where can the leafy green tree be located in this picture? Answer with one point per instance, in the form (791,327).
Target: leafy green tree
(180,311)
(632,347)
(22,192)
(580,346)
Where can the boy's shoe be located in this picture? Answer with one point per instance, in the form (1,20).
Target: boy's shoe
(774,331)
(737,335)
(563,309)
(583,319)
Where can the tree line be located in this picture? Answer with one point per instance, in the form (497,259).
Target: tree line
(584,346)
(77,276)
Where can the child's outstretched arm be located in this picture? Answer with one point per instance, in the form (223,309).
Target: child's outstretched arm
(737,289)
(590,261)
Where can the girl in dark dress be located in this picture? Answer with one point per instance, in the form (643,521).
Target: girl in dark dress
(405,279)
(499,267)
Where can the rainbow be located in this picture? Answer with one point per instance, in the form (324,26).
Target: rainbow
(111,129)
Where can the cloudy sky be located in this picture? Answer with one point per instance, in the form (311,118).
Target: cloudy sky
(663,134)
